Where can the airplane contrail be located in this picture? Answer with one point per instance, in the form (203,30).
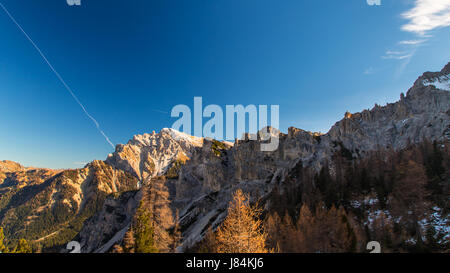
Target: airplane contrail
(58,76)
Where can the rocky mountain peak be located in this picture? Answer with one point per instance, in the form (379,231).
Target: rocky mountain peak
(149,155)
(440,80)
(421,114)
(10,166)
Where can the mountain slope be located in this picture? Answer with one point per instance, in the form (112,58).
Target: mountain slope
(49,207)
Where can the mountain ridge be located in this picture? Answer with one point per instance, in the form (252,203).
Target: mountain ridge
(199,175)
(205,183)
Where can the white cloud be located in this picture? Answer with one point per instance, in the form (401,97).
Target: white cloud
(390,52)
(424,17)
(427,15)
(397,55)
(401,57)
(412,42)
(404,63)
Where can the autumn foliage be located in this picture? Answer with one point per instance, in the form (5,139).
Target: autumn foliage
(242,231)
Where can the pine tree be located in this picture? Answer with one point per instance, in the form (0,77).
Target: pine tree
(3,248)
(287,235)
(209,244)
(272,227)
(408,199)
(128,243)
(435,170)
(176,236)
(23,247)
(305,227)
(117,249)
(382,230)
(155,201)
(144,233)
(241,232)
(327,231)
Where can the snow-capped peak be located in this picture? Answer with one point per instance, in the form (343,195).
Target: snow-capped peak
(177,135)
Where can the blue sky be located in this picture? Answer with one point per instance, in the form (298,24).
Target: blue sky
(130,62)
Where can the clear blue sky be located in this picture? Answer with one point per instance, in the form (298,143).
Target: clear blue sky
(130,61)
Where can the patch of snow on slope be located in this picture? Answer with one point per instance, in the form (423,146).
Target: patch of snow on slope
(441,222)
(373,215)
(197,141)
(442,82)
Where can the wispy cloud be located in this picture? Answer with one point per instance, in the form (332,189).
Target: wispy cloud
(396,55)
(390,52)
(427,15)
(424,17)
(404,63)
(412,42)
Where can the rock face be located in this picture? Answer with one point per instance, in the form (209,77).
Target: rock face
(109,225)
(422,114)
(95,205)
(211,171)
(150,154)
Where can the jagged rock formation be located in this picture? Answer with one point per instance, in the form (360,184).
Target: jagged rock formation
(422,114)
(150,154)
(200,175)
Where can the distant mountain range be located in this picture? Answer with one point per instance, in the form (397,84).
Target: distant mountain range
(194,178)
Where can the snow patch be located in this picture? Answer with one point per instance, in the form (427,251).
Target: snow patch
(442,82)
(355,204)
(197,141)
(440,222)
